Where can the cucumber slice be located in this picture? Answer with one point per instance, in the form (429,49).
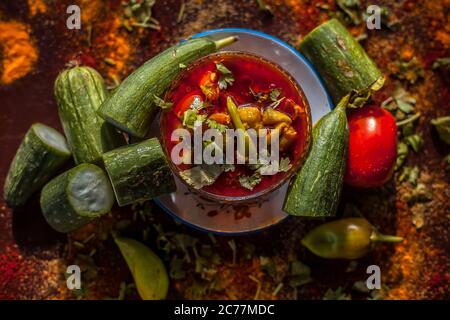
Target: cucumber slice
(79,93)
(76,197)
(41,154)
(340,60)
(316,189)
(139,172)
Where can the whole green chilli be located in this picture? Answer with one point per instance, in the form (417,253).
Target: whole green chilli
(349,238)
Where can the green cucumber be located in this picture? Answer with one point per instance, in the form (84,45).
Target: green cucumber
(147,269)
(340,60)
(131,107)
(316,189)
(76,197)
(79,93)
(41,154)
(139,172)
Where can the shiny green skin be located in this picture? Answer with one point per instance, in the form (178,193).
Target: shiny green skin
(34,164)
(79,93)
(345,239)
(139,172)
(147,269)
(57,208)
(131,106)
(339,59)
(315,191)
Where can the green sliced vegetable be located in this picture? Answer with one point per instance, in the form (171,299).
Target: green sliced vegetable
(79,93)
(147,269)
(235,118)
(41,154)
(442,126)
(349,238)
(76,197)
(139,172)
(340,60)
(315,191)
(131,107)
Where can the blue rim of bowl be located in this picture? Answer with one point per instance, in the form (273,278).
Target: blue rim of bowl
(330,102)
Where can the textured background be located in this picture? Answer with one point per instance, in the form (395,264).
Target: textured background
(35,46)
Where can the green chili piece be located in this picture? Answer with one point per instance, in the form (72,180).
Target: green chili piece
(235,118)
(349,238)
(147,269)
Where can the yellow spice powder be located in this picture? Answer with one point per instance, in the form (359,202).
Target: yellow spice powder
(19,53)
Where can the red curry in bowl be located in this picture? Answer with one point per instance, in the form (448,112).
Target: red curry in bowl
(266,97)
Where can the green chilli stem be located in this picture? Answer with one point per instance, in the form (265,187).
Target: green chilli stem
(378,237)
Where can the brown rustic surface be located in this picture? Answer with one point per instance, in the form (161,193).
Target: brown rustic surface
(36,256)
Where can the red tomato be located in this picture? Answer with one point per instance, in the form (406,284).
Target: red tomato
(372,148)
(186,102)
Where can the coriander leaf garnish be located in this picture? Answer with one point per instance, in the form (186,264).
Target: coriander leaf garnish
(271,168)
(410,71)
(274,94)
(249,182)
(442,126)
(226,76)
(204,175)
(161,103)
(190,116)
(215,125)
(415,141)
(285,165)
(402,153)
(182,66)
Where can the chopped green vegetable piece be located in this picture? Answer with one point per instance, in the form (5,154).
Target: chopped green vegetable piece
(264,7)
(274,94)
(419,194)
(441,63)
(204,175)
(442,126)
(415,141)
(300,274)
(410,174)
(361,286)
(410,71)
(249,182)
(402,153)
(226,76)
(190,116)
(215,125)
(351,8)
(337,294)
